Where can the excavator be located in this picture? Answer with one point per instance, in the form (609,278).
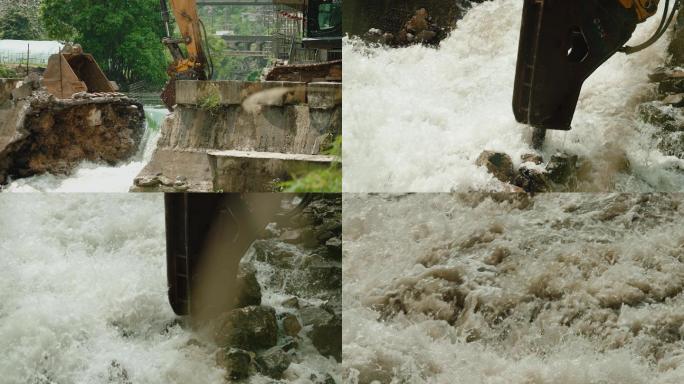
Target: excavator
(322,31)
(562,42)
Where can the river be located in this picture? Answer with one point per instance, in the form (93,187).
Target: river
(506,289)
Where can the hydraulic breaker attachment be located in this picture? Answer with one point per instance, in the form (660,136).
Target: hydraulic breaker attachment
(562,42)
(69,73)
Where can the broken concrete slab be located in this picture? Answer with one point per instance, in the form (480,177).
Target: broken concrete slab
(229,169)
(190,166)
(324,95)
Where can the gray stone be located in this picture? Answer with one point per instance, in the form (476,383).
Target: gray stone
(562,169)
(248,286)
(235,361)
(273,362)
(532,180)
(250,328)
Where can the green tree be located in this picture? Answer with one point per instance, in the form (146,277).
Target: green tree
(124,36)
(15,25)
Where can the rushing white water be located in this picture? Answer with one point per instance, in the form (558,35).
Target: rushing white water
(416,118)
(556,289)
(83,286)
(91,177)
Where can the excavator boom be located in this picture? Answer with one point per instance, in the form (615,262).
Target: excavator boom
(196,63)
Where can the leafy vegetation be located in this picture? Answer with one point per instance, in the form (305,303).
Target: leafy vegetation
(6,72)
(319,180)
(123,35)
(211,100)
(20,20)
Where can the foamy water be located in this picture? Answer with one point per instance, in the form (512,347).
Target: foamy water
(91,177)
(588,289)
(84,297)
(415,119)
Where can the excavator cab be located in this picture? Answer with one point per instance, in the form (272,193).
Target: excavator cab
(323,27)
(562,42)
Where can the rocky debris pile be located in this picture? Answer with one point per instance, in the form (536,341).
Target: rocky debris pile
(39,133)
(300,258)
(664,113)
(419,29)
(560,173)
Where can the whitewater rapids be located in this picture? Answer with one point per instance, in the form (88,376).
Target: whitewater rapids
(505,289)
(84,297)
(416,118)
(91,177)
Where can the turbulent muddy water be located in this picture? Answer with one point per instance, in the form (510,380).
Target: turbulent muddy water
(83,285)
(416,118)
(557,289)
(91,177)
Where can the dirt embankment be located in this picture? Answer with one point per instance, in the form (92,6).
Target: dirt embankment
(39,133)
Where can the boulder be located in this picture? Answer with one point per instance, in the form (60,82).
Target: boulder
(291,326)
(325,330)
(498,164)
(273,362)
(562,169)
(532,180)
(248,286)
(532,158)
(250,328)
(236,362)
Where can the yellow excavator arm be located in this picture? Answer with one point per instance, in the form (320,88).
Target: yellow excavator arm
(644,8)
(196,64)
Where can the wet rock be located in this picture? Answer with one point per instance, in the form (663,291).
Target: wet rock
(676,100)
(562,169)
(326,275)
(249,328)
(275,253)
(498,164)
(292,236)
(325,332)
(235,361)
(532,180)
(248,286)
(273,362)
(292,302)
(656,114)
(291,326)
(532,158)
(334,247)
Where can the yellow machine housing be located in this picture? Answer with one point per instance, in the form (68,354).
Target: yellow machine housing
(69,73)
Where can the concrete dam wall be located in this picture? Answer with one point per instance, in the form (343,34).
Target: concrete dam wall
(242,136)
